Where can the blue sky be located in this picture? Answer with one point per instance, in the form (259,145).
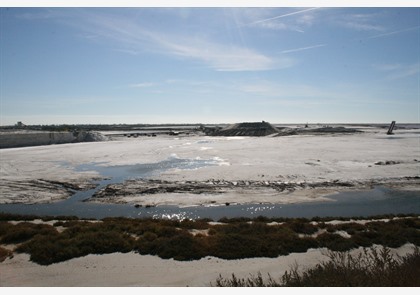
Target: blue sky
(210,65)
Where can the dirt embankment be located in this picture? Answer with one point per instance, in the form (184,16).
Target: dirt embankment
(35,138)
(39,191)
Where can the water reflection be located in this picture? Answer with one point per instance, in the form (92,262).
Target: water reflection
(365,203)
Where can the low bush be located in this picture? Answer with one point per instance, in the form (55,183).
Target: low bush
(351,228)
(182,247)
(302,226)
(236,245)
(371,268)
(13,234)
(45,250)
(335,242)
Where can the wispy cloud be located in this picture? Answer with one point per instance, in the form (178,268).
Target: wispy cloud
(397,71)
(297,21)
(360,22)
(222,57)
(283,15)
(303,48)
(134,37)
(387,67)
(142,85)
(393,33)
(363,26)
(128,51)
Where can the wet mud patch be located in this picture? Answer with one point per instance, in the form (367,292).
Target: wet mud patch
(32,191)
(139,190)
(40,190)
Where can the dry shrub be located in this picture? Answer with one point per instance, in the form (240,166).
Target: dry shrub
(371,268)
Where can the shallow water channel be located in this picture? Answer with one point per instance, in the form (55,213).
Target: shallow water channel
(377,201)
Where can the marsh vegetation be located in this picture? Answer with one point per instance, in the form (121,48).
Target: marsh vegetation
(64,238)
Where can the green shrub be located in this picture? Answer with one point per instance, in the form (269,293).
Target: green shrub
(335,242)
(144,247)
(194,224)
(302,226)
(12,234)
(51,249)
(394,233)
(235,246)
(102,242)
(149,236)
(351,228)
(182,247)
(5,227)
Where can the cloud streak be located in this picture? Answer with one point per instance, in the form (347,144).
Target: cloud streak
(393,33)
(142,85)
(360,22)
(399,71)
(283,15)
(135,37)
(303,48)
(224,58)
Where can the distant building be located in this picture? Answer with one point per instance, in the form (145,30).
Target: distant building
(20,124)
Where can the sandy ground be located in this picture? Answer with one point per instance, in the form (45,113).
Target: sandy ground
(131,269)
(45,173)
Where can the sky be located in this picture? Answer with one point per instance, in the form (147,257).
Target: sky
(151,65)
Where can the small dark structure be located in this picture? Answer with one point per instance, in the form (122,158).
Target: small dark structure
(245,129)
(20,125)
(391,128)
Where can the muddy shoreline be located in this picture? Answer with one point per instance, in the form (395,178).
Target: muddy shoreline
(153,192)
(141,191)
(40,191)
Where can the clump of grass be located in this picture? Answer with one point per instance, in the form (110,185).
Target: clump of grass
(253,281)
(371,268)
